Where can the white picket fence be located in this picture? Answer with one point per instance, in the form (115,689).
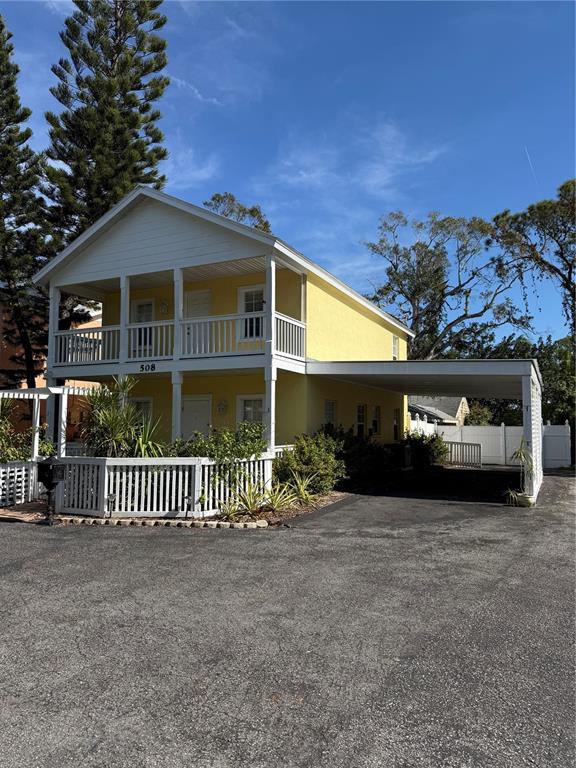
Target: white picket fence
(464,454)
(499,443)
(18,482)
(163,487)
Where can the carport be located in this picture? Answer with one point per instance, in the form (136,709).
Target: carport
(505,379)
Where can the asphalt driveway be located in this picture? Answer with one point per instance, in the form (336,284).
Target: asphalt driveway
(381,632)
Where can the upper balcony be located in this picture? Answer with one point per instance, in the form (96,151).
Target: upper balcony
(212,336)
(184,315)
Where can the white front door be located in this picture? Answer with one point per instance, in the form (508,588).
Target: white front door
(196,414)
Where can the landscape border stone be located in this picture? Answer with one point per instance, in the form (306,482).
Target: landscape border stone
(161,523)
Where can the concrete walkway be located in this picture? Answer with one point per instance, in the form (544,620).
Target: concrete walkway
(379,633)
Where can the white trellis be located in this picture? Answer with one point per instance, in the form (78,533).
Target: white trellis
(56,400)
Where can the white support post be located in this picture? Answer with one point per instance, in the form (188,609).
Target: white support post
(35,427)
(270,298)
(61,449)
(270,408)
(302,298)
(178,311)
(51,411)
(124,316)
(53,324)
(176,405)
(503,443)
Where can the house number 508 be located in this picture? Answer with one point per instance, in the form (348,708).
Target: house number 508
(146,367)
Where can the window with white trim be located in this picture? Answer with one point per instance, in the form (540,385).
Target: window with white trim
(397,424)
(395,347)
(361,421)
(330,413)
(251,409)
(143,407)
(251,302)
(376,420)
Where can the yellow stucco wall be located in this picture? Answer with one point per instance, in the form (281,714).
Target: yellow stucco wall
(224,296)
(300,401)
(338,328)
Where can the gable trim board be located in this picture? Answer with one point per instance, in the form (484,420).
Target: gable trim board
(290,258)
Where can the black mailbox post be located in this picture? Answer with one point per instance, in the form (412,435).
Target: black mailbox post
(50,473)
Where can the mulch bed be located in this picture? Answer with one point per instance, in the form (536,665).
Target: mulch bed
(279,518)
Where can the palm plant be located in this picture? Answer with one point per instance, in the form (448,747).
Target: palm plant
(280,497)
(301,485)
(251,498)
(523,455)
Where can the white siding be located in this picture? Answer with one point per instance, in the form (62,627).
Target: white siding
(152,237)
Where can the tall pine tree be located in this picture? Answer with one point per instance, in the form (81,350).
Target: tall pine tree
(22,231)
(106,139)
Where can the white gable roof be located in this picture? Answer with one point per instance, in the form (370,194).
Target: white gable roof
(268,241)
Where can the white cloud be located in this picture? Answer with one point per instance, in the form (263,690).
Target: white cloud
(60,7)
(325,192)
(183,84)
(185,171)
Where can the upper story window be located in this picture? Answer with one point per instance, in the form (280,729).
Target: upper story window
(395,347)
(251,301)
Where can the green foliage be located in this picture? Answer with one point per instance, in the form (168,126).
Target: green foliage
(227,205)
(281,497)
(14,446)
(106,139)
(317,457)
(22,228)
(303,486)
(543,238)
(251,498)
(114,428)
(224,445)
(480,415)
(440,279)
(524,457)
(426,449)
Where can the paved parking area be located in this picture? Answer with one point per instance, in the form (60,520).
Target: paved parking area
(382,632)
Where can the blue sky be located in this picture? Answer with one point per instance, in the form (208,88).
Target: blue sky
(332,114)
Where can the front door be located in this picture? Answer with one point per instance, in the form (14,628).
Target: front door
(196,414)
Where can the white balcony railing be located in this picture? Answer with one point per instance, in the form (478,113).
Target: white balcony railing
(241,334)
(290,336)
(151,341)
(224,335)
(90,345)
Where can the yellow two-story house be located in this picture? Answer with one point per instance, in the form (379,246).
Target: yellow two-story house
(220,323)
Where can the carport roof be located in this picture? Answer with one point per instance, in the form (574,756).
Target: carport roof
(469,378)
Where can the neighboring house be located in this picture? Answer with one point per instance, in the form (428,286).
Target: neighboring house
(444,410)
(21,417)
(220,323)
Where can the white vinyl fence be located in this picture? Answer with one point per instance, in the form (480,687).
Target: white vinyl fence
(464,454)
(166,487)
(499,443)
(18,483)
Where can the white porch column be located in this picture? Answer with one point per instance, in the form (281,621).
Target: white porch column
(124,316)
(270,408)
(270,308)
(50,410)
(532,429)
(176,405)
(53,323)
(35,427)
(62,417)
(178,311)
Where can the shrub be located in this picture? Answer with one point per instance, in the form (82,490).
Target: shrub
(317,457)
(224,445)
(114,428)
(14,446)
(426,449)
